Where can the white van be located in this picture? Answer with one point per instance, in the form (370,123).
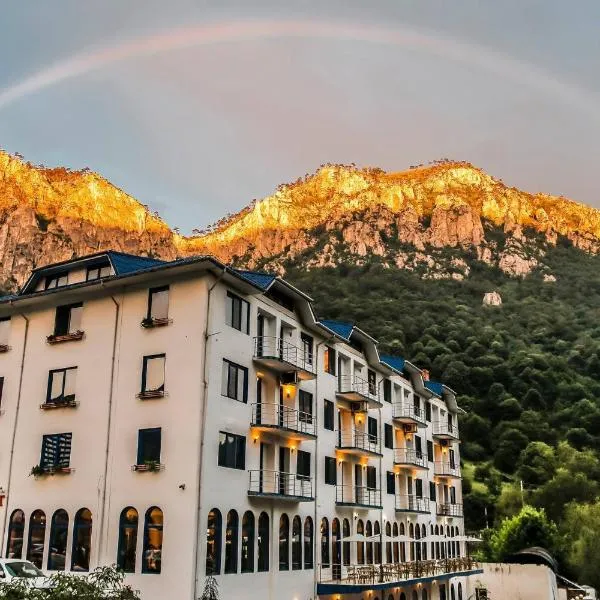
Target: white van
(15,568)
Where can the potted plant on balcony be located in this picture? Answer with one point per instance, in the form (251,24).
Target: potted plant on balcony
(147,322)
(37,471)
(153,466)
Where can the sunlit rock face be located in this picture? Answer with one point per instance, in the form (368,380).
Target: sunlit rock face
(413,219)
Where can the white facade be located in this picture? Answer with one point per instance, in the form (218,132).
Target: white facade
(231,370)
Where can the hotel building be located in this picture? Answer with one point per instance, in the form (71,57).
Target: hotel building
(185,419)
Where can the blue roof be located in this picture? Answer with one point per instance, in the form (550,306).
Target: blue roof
(261,280)
(128,263)
(434,387)
(395,362)
(344,330)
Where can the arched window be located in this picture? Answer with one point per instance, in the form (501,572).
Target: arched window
(213,542)
(388,545)
(369,533)
(248,542)
(417,545)
(263,542)
(377,532)
(37,538)
(231,542)
(16,529)
(452,593)
(460,596)
(336,547)
(411,534)
(402,596)
(424,594)
(424,544)
(396,545)
(346,545)
(153,540)
(415,595)
(128,528)
(360,546)
(325,542)
(308,543)
(296,543)
(57,550)
(284,543)
(82,541)
(437,530)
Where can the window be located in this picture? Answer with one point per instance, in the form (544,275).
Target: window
(37,538)
(149,443)
(452,458)
(16,530)
(56,451)
(82,541)
(419,488)
(388,436)
(153,541)
(432,494)
(325,542)
(429,450)
(57,280)
(330,471)
(391,482)
(213,542)
(329,360)
(305,402)
(284,543)
(307,348)
(4,332)
(428,411)
(296,544)
(303,465)
(452,495)
(1,390)
(234,383)
(328,416)
(61,386)
(377,533)
(98,272)
(153,374)
(372,425)
(248,542)
(263,542)
(68,319)
(128,528)
(360,546)
(231,542)
(369,533)
(372,379)
(387,390)
(232,450)
(371,478)
(158,303)
(336,549)
(238,313)
(418,447)
(345,545)
(57,550)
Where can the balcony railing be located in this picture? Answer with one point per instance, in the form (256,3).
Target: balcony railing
(447,509)
(406,503)
(291,486)
(349,495)
(283,356)
(277,416)
(444,430)
(355,388)
(408,412)
(351,439)
(408,456)
(71,336)
(444,469)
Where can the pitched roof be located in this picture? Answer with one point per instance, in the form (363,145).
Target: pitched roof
(395,362)
(434,387)
(261,280)
(128,263)
(340,328)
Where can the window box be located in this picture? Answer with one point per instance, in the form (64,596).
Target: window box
(150,322)
(151,394)
(4,348)
(39,471)
(148,467)
(66,403)
(67,337)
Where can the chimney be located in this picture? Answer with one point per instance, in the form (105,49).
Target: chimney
(425,373)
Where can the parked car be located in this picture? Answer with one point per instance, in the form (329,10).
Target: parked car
(15,568)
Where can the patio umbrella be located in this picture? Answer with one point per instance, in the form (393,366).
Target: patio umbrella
(357,537)
(388,538)
(468,538)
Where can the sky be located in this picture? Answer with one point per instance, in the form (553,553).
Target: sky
(197,107)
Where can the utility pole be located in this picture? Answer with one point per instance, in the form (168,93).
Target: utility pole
(522,493)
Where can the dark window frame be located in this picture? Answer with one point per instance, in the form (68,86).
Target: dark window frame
(145,361)
(62,318)
(330,470)
(56,278)
(151,292)
(239,453)
(143,450)
(330,360)
(237,368)
(303,468)
(62,399)
(329,415)
(390,479)
(98,269)
(62,443)
(388,430)
(230,319)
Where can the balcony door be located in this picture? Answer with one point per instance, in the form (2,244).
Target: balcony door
(358,483)
(260,334)
(284,470)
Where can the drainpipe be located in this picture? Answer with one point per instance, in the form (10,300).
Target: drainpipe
(108,431)
(196,553)
(381,524)
(14,432)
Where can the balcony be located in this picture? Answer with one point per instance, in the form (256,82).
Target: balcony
(285,421)
(412,504)
(407,457)
(358,443)
(444,431)
(72,336)
(277,484)
(444,469)
(358,496)
(357,389)
(282,357)
(64,402)
(447,509)
(407,412)
(4,348)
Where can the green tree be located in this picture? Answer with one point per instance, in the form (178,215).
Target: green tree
(537,463)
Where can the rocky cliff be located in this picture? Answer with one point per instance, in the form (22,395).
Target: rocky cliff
(434,219)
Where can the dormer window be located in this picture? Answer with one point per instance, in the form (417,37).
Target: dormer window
(98,272)
(55,281)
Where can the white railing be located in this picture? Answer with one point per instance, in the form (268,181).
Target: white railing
(447,509)
(358,494)
(271,347)
(276,415)
(353,384)
(351,438)
(407,410)
(408,456)
(409,503)
(279,483)
(443,428)
(444,469)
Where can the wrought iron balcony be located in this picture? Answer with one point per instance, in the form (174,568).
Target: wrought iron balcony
(278,355)
(288,422)
(277,484)
(444,431)
(410,458)
(357,389)
(358,443)
(407,412)
(413,504)
(357,495)
(447,509)
(445,469)
(71,336)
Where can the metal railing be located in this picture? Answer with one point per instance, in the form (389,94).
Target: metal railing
(276,415)
(358,494)
(447,509)
(445,469)
(445,429)
(409,503)
(271,347)
(279,483)
(352,438)
(353,384)
(408,456)
(407,410)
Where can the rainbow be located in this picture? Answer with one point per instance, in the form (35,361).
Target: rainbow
(242,31)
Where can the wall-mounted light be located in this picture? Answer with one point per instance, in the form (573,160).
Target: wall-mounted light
(255,439)
(289,389)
